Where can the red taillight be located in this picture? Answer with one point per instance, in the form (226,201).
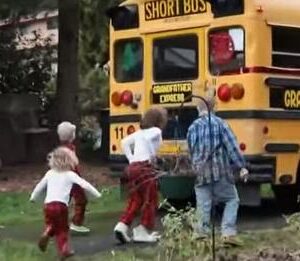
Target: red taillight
(114,148)
(224,92)
(243,147)
(116,98)
(237,91)
(130,130)
(127,97)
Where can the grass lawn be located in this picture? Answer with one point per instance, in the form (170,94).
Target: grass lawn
(16,208)
(269,242)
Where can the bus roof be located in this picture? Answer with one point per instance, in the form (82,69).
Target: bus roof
(280,12)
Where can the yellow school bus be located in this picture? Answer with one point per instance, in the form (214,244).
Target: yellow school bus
(162,52)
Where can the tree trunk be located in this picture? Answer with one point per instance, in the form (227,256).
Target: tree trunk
(67,78)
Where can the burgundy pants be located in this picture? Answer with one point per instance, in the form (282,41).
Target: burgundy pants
(143,194)
(77,193)
(57,225)
(80,202)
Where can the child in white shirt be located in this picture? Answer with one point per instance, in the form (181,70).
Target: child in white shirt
(58,183)
(141,148)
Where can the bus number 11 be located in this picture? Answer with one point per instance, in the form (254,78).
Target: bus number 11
(119,132)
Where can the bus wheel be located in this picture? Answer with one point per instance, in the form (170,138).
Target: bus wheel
(287,198)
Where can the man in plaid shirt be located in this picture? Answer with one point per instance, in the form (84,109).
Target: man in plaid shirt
(215,167)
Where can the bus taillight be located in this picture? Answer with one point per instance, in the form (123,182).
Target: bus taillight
(127,97)
(130,130)
(224,92)
(237,91)
(116,98)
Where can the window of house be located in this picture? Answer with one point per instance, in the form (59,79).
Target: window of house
(175,58)
(286,47)
(52,23)
(128,60)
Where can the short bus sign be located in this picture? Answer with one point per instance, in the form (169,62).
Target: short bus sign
(171,93)
(171,8)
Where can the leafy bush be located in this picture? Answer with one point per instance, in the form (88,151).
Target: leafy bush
(179,240)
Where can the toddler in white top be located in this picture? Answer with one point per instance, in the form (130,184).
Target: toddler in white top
(140,148)
(58,182)
(146,143)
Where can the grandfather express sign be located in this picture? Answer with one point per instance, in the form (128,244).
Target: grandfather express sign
(171,93)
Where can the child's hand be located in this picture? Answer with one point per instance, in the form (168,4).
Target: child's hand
(244,174)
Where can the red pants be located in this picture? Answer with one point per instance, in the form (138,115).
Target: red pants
(57,225)
(77,193)
(80,202)
(143,194)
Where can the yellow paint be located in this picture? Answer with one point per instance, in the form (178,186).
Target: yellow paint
(167,18)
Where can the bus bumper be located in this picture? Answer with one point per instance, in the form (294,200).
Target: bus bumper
(261,168)
(117,164)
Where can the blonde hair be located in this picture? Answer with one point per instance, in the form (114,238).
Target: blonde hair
(154,117)
(62,159)
(66,131)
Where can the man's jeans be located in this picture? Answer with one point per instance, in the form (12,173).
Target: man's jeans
(225,192)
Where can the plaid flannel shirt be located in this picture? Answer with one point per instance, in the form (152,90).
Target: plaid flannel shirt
(225,156)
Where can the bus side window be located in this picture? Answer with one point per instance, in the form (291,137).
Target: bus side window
(128,60)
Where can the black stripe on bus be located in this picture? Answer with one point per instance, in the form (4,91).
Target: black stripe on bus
(257,114)
(282,147)
(281,82)
(125,118)
(119,158)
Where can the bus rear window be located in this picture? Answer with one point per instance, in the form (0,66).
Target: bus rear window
(179,120)
(128,60)
(175,58)
(226,50)
(286,47)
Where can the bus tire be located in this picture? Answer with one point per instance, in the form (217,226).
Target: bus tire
(287,198)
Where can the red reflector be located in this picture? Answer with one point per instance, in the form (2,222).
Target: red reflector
(265,130)
(114,147)
(127,97)
(242,146)
(130,130)
(224,92)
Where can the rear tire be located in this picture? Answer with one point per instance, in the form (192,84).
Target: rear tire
(287,198)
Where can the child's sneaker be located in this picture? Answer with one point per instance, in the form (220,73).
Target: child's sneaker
(67,255)
(140,234)
(121,233)
(79,229)
(43,242)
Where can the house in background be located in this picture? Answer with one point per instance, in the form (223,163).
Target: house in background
(45,23)
(21,137)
